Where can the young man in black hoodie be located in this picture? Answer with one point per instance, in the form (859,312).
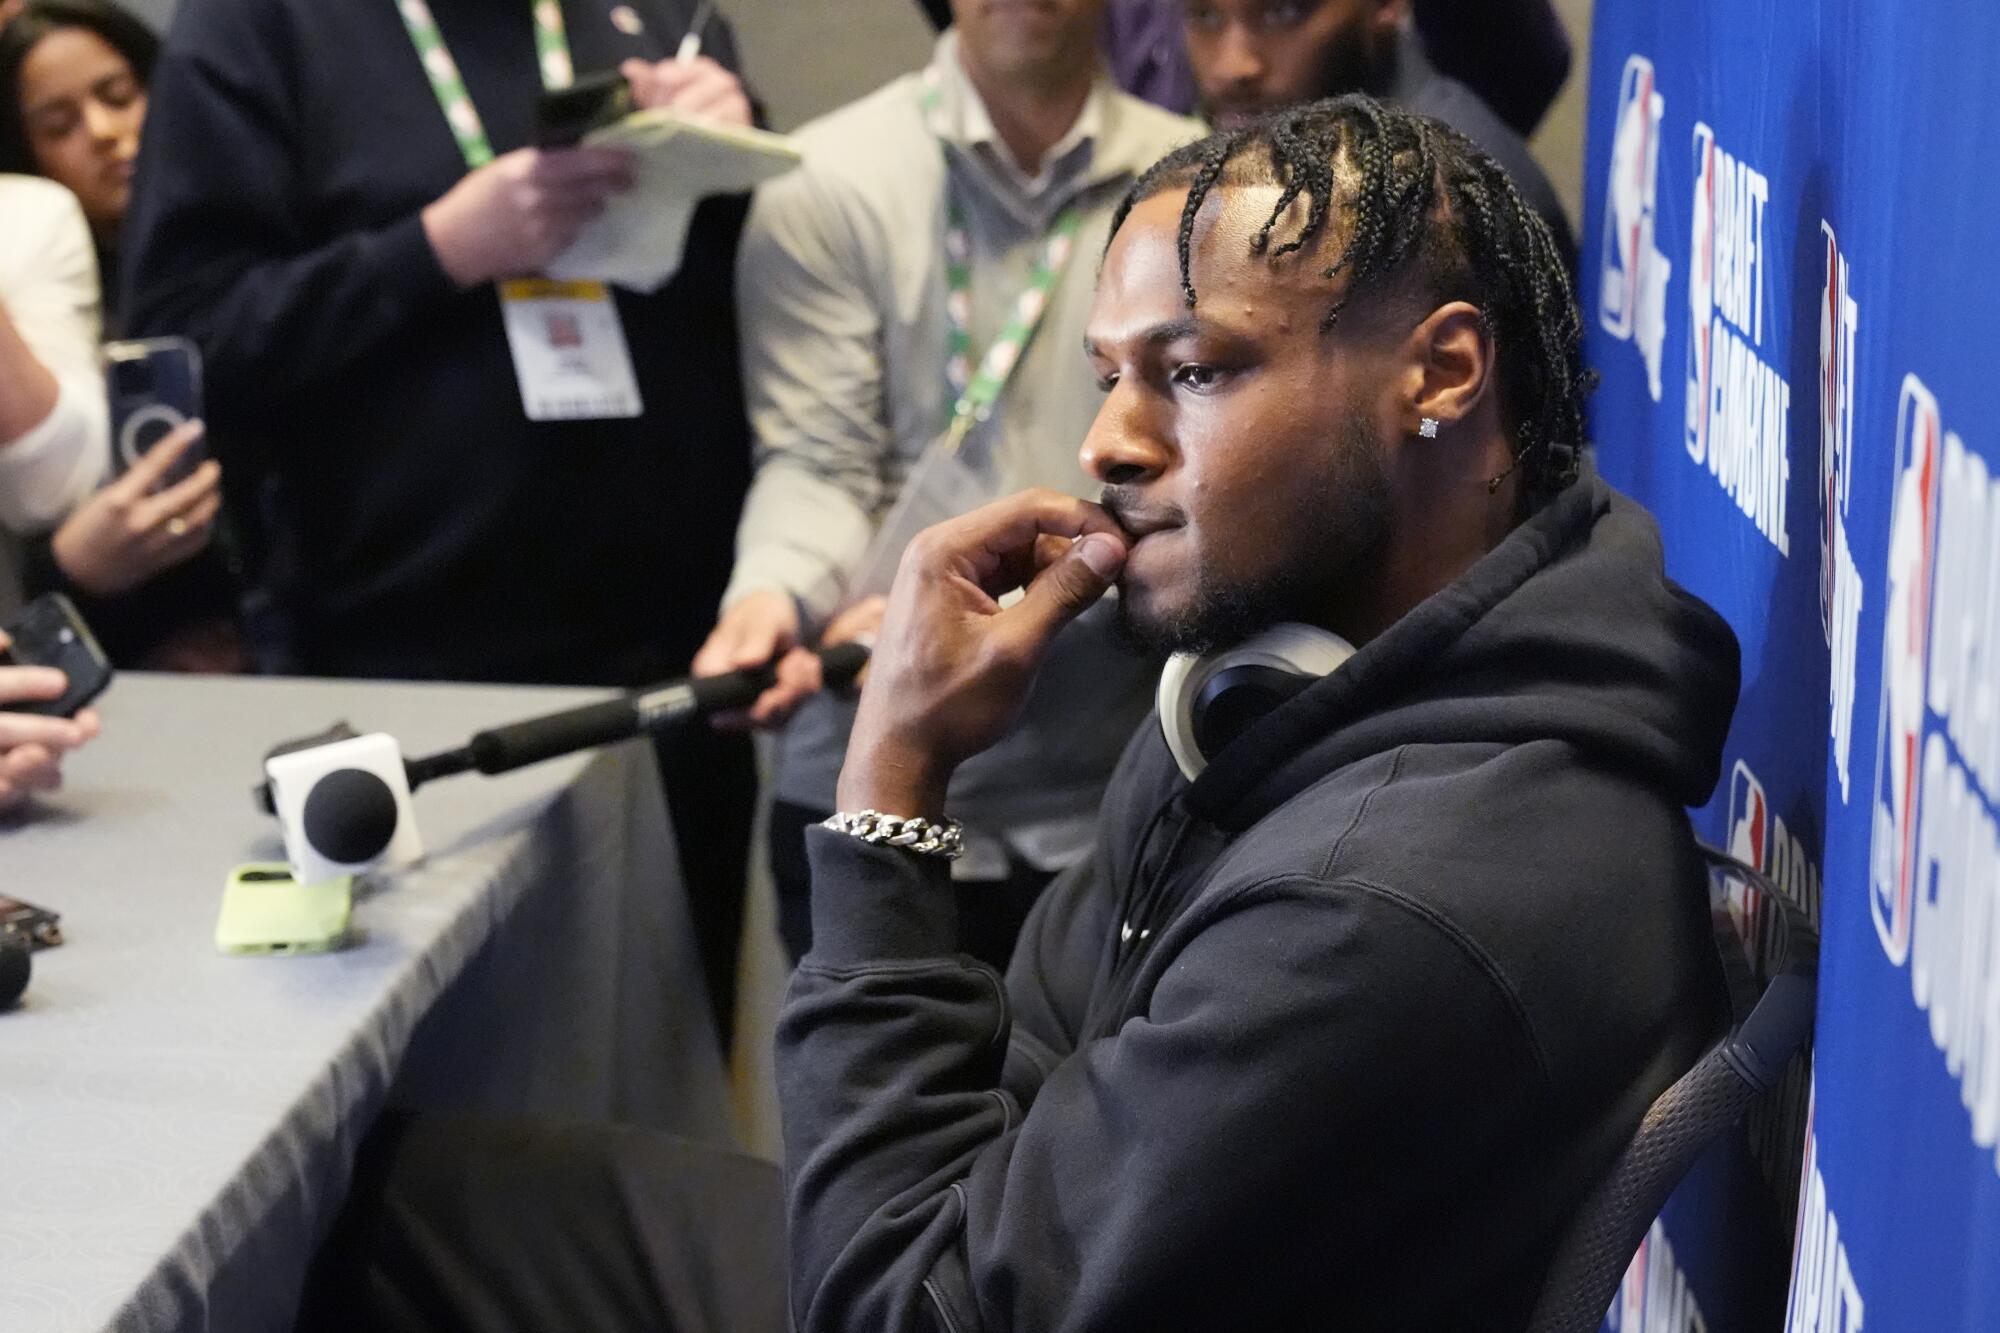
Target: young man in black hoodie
(1335,1035)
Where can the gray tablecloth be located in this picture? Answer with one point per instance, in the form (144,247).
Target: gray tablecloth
(177,1126)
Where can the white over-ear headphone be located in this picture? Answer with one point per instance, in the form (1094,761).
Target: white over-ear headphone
(1207,701)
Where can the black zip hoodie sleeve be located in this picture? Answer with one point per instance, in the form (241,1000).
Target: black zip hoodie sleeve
(1293,1098)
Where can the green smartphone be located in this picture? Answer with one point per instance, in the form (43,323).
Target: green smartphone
(265,910)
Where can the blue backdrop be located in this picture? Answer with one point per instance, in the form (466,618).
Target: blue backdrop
(1789,281)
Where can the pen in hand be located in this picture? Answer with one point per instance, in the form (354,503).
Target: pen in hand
(690,47)
(689,83)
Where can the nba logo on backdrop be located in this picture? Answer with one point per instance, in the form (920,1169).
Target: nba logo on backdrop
(1757,836)
(1905,644)
(1934,863)
(1840,590)
(1749,817)
(1632,297)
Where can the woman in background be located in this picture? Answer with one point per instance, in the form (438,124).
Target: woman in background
(74,75)
(73,78)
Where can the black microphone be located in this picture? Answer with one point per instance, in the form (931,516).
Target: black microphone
(351,815)
(639,713)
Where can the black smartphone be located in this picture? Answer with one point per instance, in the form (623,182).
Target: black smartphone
(49,632)
(154,386)
(564,115)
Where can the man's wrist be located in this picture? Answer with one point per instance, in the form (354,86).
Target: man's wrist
(894,779)
(791,575)
(439,231)
(71,557)
(922,837)
(735,596)
(29,391)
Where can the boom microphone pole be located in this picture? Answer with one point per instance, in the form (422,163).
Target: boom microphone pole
(640,713)
(343,798)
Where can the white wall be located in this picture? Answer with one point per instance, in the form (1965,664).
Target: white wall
(805,57)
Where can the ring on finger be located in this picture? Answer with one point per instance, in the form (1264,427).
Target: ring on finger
(177,526)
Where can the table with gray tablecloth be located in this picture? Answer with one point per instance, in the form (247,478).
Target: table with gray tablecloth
(177,1125)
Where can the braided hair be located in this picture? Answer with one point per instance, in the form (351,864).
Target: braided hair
(1427,214)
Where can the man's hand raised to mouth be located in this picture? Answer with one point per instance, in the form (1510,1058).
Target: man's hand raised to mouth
(951,669)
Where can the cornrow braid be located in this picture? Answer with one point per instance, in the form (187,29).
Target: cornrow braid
(1427,211)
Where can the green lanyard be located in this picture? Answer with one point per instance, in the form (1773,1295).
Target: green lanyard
(551,47)
(977,391)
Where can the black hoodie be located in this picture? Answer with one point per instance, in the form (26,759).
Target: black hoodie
(1335,1036)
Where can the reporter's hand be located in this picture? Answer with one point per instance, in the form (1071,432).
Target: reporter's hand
(31,745)
(950,670)
(698,88)
(753,631)
(124,534)
(800,672)
(519,211)
(859,623)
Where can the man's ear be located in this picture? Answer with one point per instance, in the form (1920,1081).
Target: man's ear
(1452,365)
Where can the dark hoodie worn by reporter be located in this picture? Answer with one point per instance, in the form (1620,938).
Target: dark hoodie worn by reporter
(1335,1036)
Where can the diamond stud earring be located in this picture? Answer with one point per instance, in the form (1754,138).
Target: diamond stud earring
(1428,428)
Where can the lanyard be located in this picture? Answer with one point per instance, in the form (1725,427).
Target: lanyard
(551,48)
(976,391)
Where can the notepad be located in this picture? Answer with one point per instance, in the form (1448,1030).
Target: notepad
(638,240)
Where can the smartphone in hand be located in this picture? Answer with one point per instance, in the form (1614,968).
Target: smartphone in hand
(154,385)
(564,115)
(50,632)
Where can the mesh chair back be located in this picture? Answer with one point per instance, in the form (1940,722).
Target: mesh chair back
(1700,1107)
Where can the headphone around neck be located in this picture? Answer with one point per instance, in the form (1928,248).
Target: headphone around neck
(1207,701)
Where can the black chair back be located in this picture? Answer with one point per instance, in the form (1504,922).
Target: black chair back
(1773,966)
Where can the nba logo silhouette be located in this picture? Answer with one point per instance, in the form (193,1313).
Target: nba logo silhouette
(1749,818)
(1748,831)
(1840,589)
(1633,281)
(1632,191)
(1701,296)
(1906,637)
(1838,318)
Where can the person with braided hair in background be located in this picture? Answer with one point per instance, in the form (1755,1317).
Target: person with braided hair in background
(1335,1034)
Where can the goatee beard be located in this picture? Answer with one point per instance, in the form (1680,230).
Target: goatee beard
(1341,534)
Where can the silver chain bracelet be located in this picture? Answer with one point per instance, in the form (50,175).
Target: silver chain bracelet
(923,836)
